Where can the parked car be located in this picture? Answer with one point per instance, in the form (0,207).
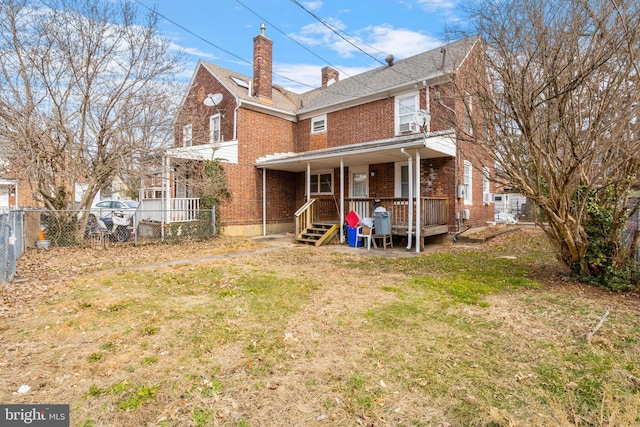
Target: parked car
(105,208)
(505,218)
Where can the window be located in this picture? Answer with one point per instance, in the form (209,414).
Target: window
(187,135)
(214,128)
(402,180)
(319,124)
(322,183)
(468,181)
(406,107)
(486,185)
(359,183)
(240,82)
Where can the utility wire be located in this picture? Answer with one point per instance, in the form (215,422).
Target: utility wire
(336,32)
(212,44)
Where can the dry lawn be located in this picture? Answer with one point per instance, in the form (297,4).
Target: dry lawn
(286,335)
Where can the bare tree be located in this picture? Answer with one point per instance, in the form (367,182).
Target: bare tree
(561,119)
(85,91)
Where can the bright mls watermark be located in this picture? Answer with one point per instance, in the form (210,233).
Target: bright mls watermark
(34,415)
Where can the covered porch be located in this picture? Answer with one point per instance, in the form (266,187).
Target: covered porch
(412,214)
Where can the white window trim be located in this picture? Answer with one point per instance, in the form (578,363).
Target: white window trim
(316,119)
(187,135)
(212,119)
(486,183)
(353,171)
(415,95)
(398,178)
(468,190)
(318,173)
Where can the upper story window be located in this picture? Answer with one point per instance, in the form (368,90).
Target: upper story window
(405,107)
(322,183)
(468,182)
(319,124)
(187,135)
(214,128)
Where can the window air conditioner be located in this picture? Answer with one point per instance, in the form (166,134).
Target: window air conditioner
(407,127)
(487,198)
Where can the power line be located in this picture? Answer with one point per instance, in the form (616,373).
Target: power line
(213,44)
(336,32)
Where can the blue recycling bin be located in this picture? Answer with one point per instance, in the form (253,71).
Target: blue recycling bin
(352,239)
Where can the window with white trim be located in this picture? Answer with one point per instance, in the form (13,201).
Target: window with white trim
(319,124)
(322,183)
(467,182)
(402,179)
(359,181)
(214,128)
(187,135)
(405,108)
(486,184)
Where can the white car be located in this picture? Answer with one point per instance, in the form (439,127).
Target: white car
(105,208)
(505,218)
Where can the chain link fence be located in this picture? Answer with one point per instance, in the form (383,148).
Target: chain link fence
(41,229)
(107,228)
(12,243)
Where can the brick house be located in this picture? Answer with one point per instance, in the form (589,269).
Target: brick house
(353,144)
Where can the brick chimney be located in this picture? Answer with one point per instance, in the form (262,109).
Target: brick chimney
(329,76)
(262,66)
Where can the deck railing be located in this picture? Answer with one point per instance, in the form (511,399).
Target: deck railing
(179,210)
(304,217)
(434,210)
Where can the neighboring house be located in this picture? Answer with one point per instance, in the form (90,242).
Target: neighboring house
(353,144)
(8,194)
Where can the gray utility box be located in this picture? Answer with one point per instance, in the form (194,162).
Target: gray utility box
(382,222)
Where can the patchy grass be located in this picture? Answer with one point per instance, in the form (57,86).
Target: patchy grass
(490,335)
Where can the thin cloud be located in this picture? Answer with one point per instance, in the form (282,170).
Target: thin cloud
(313,5)
(309,75)
(191,51)
(437,5)
(400,42)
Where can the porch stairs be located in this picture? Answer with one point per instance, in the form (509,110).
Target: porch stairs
(318,233)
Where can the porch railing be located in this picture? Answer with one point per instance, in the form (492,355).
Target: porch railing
(434,210)
(179,210)
(304,217)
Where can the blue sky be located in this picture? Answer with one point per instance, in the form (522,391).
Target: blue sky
(301,44)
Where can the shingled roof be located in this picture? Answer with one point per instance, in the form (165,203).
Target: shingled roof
(422,67)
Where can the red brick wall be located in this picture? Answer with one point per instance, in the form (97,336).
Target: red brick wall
(195,112)
(260,134)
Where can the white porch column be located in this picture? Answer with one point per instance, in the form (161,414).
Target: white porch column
(264,201)
(341,200)
(418,202)
(308,184)
(166,193)
(410,179)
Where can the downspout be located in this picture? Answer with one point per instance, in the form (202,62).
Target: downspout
(410,221)
(418,202)
(341,200)
(264,201)
(235,120)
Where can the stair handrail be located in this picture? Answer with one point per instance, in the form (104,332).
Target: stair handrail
(304,217)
